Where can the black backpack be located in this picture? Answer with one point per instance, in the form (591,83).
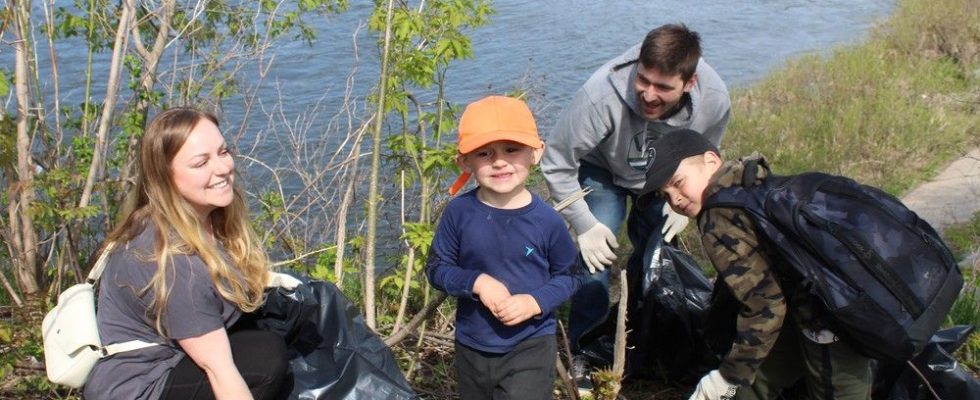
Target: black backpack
(883,274)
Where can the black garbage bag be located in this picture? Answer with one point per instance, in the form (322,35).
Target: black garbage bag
(333,354)
(666,317)
(669,317)
(944,375)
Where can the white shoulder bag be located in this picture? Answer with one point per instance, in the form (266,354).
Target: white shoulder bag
(71,335)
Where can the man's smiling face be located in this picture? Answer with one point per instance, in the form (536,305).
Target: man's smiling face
(657,93)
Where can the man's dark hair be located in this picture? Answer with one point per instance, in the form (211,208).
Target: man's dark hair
(672,49)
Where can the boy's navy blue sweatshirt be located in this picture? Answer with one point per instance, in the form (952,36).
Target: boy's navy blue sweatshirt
(527,249)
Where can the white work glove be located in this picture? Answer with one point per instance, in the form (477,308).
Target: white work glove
(595,244)
(278,279)
(714,387)
(674,223)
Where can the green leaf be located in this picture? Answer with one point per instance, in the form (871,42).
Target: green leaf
(6,334)
(4,83)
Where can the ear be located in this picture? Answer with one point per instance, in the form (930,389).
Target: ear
(461,163)
(712,161)
(538,153)
(690,83)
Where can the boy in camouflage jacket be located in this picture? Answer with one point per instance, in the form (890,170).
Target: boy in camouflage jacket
(780,338)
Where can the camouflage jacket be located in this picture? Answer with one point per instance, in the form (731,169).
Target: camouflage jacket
(748,267)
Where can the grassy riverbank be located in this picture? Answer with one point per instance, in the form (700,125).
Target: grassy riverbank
(887,112)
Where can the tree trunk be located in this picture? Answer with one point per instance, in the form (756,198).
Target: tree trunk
(112,87)
(373,196)
(409,264)
(151,59)
(341,233)
(26,270)
(619,353)
(5,236)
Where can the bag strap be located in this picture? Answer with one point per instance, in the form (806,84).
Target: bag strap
(99,266)
(751,169)
(94,276)
(126,346)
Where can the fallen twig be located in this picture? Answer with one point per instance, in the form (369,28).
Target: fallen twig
(565,373)
(579,194)
(417,320)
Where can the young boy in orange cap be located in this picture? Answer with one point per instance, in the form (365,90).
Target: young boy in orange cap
(505,254)
(780,337)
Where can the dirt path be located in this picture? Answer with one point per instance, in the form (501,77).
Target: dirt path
(952,197)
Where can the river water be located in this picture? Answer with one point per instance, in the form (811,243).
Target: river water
(554,45)
(551,46)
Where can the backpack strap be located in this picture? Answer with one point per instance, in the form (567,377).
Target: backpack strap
(126,346)
(99,266)
(93,276)
(751,169)
(747,193)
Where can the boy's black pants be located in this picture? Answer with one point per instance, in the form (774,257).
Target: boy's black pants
(526,372)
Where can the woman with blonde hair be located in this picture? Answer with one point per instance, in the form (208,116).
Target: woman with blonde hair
(184,267)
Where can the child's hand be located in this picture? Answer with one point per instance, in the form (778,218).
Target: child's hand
(490,291)
(517,308)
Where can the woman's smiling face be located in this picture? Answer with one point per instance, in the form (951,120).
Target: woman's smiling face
(203,169)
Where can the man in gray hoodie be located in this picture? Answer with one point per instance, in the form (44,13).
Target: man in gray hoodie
(602,140)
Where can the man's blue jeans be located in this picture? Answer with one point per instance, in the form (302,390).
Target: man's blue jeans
(590,304)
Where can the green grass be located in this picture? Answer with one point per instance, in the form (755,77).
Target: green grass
(963,240)
(888,112)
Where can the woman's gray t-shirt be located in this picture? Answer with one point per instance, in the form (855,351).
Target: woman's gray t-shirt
(194,307)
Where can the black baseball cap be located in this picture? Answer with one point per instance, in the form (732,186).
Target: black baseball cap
(667,154)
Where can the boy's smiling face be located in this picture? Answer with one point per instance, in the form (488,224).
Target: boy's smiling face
(684,191)
(501,167)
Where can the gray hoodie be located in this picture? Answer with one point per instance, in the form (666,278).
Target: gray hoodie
(605,127)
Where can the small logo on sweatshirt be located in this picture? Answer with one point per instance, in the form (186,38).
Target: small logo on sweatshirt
(641,153)
(528,250)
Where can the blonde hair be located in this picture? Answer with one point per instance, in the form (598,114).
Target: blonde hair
(239,278)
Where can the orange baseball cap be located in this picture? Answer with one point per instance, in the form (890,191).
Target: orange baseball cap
(494,118)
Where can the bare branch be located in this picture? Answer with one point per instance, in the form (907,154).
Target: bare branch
(112,87)
(619,356)
(373,195)
(301,256)
(417,320)
(148,78)
(55,80)
(579,194)
(563,373)
(566,383)
(21,222)
(5,235)
(409,264)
